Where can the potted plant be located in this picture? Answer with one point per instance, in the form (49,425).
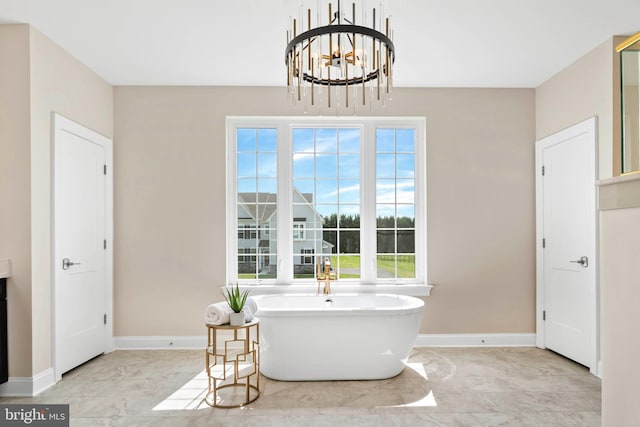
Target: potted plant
(236,300)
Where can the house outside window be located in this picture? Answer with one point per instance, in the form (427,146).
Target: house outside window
(351,190)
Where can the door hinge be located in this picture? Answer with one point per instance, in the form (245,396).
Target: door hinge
(542,170)
(105,243)
(105,318)
(544,243)
(105,169)
(544,315)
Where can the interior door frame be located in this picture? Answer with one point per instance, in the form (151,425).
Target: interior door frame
(60,124)
(589,126)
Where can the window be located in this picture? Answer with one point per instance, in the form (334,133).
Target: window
(309,259)
(326,187)
(298,230)
(246,231)
(255,203)
(351,190)
(395,202)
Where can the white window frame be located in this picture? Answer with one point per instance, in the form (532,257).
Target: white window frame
(368,282)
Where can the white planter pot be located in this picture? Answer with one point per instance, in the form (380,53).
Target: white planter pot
(236,319)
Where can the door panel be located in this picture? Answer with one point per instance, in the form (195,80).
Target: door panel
(569,232)
(80,256)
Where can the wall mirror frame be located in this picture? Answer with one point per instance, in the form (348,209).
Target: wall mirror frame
(629,51)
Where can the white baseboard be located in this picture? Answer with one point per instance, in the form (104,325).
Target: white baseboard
(28,386)
(476,340)
(598,373)
(423,340)
(160,343)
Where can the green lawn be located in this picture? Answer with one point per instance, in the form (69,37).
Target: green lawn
(406,267)
(406,264)
(346,261)
(253,276)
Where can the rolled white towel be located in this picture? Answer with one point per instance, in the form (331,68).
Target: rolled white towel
(250,307)
(217,314)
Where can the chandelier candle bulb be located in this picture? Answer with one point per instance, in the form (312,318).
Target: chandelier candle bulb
(363,90)
(371,97)
(346,87)
(386,57)
(330,34)
(329,86)
(300,9)
(310,40)
(380,76)
(299,71)
(364,13)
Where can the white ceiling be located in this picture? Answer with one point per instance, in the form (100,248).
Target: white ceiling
(439,43)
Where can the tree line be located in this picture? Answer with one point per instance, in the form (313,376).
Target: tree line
(350,241)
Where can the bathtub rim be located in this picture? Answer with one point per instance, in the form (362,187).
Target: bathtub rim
(416,305)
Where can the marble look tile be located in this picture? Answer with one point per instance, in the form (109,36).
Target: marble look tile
(544,401)
(553,383)
(440,387)
(543,419)
(531,419)
(324,420)
(91,422)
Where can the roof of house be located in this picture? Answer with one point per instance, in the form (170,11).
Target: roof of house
(262,206)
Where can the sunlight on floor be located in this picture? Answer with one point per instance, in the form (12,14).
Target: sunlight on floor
(188,397)
(427,401)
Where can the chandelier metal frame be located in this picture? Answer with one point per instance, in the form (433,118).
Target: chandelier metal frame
(357,56)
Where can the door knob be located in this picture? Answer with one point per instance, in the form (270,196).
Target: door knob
(583,261)
(66,263)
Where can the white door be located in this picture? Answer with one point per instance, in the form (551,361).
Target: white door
(80,237)
(566,211)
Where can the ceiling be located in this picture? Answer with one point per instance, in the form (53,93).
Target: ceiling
(439,43)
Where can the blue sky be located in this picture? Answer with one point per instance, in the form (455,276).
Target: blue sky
(326,163)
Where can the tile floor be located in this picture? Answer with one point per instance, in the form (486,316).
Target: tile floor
(440,387)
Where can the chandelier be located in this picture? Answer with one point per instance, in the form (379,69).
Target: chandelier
(344,62)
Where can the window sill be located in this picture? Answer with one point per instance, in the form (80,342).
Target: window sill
(415,289)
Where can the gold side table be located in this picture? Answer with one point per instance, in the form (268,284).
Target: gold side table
(233,364)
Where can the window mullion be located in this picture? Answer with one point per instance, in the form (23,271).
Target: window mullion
(285,206)
(421,203)
(368,205)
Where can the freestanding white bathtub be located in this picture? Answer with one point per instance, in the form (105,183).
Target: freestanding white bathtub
(337,337)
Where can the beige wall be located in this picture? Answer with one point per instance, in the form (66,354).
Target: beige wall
(620,317)
(37,78)
(584,89)
(15,191)
(170,204)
